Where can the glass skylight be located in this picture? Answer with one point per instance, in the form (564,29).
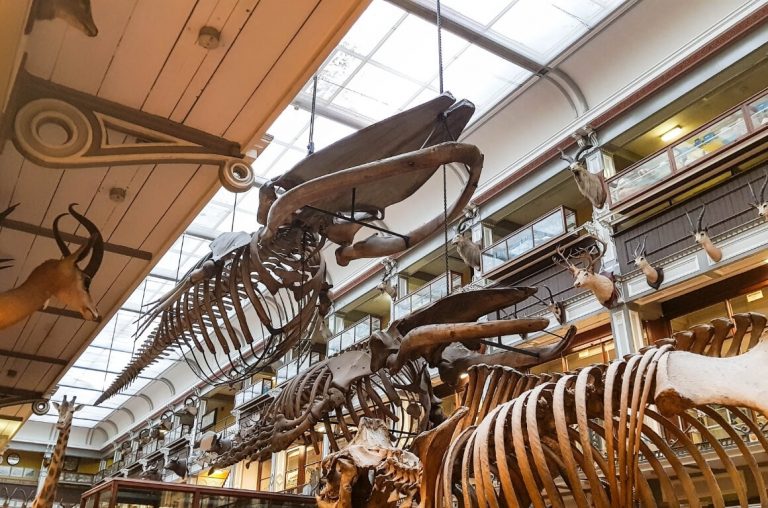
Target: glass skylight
(386,63)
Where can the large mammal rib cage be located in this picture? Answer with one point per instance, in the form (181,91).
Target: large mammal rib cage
(278,270)
(600,437)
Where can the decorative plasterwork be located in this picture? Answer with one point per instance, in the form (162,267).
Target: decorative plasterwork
(58,127)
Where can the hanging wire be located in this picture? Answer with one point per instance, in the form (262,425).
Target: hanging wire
(234,212)
(109,355)
(445,171)
(181,251)
(311,143)
(141,311)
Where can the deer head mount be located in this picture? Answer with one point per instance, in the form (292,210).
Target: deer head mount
(75,12)
(468,250)
(590,186)
(701,236)
(760,203)
(388,282)
(60,278)
(654,275)
(602,285)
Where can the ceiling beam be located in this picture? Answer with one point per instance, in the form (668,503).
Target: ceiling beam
(34,358)
(80,240)
(453,22)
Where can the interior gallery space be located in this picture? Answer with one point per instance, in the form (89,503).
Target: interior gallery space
(383,253)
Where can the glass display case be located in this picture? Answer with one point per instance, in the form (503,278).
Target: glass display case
(132,493)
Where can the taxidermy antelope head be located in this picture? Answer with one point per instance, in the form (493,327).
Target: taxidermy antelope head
(60,278)
(654,275)
(702,237)
(590,185)
(468,250)
(760,204)
(75,12)
(388,282)
(602,285)
(556,308)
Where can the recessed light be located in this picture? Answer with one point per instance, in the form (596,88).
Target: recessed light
(671,134)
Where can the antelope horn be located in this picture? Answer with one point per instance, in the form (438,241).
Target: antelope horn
(762,188)
(701,217)
(57,236)
(5,213)
(693,228)
(565,157)
(583,149)
(642,249)
(636,251)
(96,242)
(752,191)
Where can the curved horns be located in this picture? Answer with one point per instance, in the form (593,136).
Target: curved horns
(701,217)
(762,188)
(583,149)
(754,196)
(565,156)
(57,236)
(96,242)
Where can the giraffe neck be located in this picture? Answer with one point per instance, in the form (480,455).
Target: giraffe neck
(46,495)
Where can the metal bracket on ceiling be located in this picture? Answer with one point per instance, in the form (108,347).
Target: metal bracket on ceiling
(59,127)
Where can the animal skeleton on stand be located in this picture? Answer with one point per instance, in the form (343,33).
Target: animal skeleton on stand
(59,278)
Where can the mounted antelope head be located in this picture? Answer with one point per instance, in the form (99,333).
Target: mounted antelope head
(60,278)
(654,275)
(590,186)
(701,236)
(75,12)
(760,204)
(602,285)
(468,250)
(556,308)
(388,282)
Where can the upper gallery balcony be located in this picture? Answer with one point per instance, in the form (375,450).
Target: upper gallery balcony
(528,241)
(254,390)
(353,334)
(432,291)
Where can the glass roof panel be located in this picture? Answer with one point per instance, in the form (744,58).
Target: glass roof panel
(374,24)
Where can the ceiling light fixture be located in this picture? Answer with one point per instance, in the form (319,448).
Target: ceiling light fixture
(671,134)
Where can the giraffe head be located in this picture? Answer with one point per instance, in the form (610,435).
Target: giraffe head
(66,409)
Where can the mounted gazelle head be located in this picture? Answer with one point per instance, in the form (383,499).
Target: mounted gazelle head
(701,236)
(760,203)
(61,278)
(66,409)
(584,276)
(468,250)
(590,186)
(556,308)
(654,275)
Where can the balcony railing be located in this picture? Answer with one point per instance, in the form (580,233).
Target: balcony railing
(430,292)
(19,473)
(710,139)
(175,434)
(353,334)
(294,367)
(528,238)
(79,478)
(257,389)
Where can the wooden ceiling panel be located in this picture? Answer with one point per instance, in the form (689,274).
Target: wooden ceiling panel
(74,70)
(248,62)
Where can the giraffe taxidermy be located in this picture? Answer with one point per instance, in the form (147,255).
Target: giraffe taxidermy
(46,496)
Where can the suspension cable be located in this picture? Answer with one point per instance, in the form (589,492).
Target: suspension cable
(311,143)
(445,172)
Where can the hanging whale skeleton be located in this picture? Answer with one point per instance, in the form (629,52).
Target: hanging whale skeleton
(279,270)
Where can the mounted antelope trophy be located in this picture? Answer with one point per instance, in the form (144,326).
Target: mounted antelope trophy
(469,251)
(760,203)
(5,213)
(75,12)
(654,275)
(590,185)
(556,308)
(602,284)
(702,237)
(388,282)
(60,278)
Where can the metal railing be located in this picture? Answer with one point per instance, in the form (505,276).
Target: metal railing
(294,367)
(19,473)
(257,389)
(79,478)
(730,127)
(426,294)
(353,334)
(543,230)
